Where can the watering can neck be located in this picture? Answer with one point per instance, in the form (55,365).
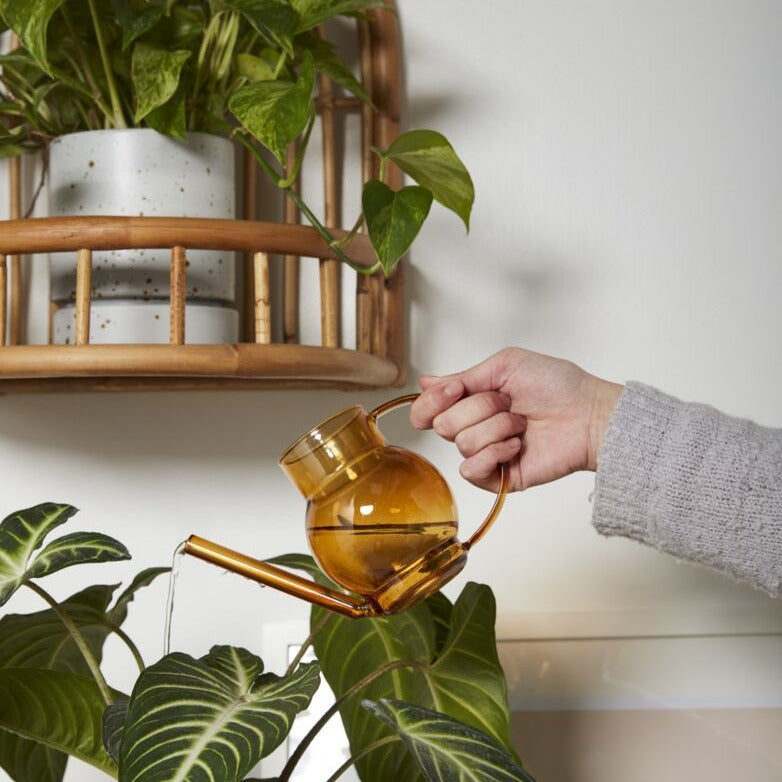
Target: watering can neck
(332,451)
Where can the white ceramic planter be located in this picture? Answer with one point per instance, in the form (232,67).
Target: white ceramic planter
(122,322)
(141,172)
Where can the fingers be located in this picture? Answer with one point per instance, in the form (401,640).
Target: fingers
(483,468)
(471,411)
(439,396)
(497,429)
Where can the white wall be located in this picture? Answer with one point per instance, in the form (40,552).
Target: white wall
(628,172)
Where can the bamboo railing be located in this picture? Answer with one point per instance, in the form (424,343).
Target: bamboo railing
(376,359)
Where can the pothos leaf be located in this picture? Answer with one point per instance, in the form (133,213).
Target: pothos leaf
(276,112)
(155,73)
(430,160)
(393,218)
(29,21)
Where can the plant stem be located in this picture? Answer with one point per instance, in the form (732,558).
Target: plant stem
(319,625)
(369,748)
(116,106)
(334,708)
(325,234)
(128,641)
(280,63)
(78,638)
(85,65)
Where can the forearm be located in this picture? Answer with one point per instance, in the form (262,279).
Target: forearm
(693,482)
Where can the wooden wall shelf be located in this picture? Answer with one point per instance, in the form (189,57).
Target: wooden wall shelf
(376,359)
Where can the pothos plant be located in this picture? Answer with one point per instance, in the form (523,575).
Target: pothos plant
(421,694)
(240,68)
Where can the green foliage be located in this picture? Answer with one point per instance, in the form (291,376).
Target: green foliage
(447,750)
(394,218)
(216,715)
(22,533)
(63,710)
(430,676)
(462,677)
(430,160)
(41,641)
(231,67)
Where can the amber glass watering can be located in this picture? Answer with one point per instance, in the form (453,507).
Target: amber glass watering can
(381,520)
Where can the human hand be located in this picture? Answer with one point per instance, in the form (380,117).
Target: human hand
(542,416)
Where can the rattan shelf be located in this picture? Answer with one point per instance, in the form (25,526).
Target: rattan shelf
(376,359)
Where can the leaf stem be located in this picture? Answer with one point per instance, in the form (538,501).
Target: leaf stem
(354,689)
(354,758)
(280,63)
(78,638)
(128,641)
(319,625)
(116,106)
(328,236)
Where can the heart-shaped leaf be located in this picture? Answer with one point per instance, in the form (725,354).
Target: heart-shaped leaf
(328,61)
(276,112)
(313,12)
(430,160)
(350,650)
(448,750)
(455,669)
(29,21)
(393,218)
(21,534)
(274,20)
(214,717)
(135,20)
(62,710)
(155,73)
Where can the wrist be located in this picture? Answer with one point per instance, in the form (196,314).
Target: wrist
(606,396)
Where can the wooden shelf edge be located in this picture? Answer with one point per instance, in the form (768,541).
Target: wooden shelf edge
(160,367)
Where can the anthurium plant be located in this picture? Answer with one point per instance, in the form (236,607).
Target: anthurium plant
(424,700)
(241,68)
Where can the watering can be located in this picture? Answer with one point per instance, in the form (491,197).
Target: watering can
(380,520)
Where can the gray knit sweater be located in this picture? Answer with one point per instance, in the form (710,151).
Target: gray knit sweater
(693,482)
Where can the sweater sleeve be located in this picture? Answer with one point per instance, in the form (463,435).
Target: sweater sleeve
(693,482)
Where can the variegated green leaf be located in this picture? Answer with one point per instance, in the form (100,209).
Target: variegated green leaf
(209,718)
(430,160)
(21,534)
(314,12)
(393,218)
(29,21)
(155,74)
(274,20)
(447,750)
(77,548)
(59,709)
(276,112)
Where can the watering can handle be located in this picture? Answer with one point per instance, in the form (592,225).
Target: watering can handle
(499,500)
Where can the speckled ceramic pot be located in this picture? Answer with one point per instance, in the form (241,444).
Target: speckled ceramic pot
(142,172)
(123,321)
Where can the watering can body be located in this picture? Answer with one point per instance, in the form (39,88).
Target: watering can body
(381,520)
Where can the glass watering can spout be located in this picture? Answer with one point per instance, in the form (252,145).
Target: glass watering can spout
(381,520)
